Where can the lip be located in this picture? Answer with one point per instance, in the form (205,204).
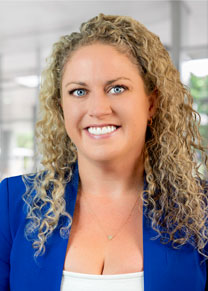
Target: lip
(101,125)
(103,136)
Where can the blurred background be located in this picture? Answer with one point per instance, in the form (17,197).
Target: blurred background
(29,28)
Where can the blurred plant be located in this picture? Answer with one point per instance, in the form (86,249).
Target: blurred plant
(199,90)
(24,140)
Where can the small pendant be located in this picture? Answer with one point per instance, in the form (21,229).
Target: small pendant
(110,237)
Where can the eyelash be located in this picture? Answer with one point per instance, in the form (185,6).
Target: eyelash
(121,86)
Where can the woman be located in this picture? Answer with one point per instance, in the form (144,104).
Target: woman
(121,202)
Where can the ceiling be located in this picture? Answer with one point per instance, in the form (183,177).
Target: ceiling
(29,23)
(29,27)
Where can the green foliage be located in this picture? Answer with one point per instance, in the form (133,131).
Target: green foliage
(24,140)
(199,90)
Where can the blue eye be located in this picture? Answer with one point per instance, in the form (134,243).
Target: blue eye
(82,92)
(118,89)
(79,92)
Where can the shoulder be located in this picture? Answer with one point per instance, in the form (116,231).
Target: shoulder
(12,188)
(12,204)
(11,183)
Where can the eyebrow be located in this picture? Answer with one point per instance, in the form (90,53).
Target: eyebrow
(107,83)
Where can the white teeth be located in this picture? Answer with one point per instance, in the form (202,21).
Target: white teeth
(100,131)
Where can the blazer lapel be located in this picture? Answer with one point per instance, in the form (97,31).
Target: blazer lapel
(154,254)
(70,198)
(53,261)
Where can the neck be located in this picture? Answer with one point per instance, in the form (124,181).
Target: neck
(111,180)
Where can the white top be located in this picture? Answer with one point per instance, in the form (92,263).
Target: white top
(72,281)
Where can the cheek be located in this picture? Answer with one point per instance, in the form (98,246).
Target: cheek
(137,116)
(136,111)
(72,118)
(69,121)
(70,127)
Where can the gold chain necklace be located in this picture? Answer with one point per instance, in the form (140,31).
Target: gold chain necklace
(110,237)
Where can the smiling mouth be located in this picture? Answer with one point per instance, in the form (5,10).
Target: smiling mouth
(99,133)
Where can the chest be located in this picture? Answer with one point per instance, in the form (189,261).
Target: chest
(90,251)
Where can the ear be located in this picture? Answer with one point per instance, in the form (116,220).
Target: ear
(153,98)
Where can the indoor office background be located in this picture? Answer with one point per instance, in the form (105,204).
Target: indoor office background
(29,28)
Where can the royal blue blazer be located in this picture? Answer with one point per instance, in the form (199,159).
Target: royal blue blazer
(165,268)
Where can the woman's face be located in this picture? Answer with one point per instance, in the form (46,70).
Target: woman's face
(102,89)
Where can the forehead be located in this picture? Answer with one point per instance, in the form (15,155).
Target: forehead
(99,59)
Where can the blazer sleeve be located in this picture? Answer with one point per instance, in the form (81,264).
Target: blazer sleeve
(5,236)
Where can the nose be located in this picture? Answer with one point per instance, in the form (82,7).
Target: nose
(99,104)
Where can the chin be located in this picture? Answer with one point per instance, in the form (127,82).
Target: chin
(100,156)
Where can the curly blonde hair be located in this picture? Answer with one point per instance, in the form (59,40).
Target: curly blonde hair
(176,197)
